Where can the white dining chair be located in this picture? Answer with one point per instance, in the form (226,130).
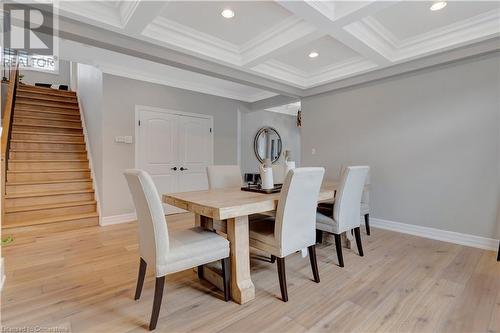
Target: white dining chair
(293,228)
(346,209)
(166,252)
(365,202)
(223,176)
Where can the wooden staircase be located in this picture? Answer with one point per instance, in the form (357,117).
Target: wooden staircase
(48,176)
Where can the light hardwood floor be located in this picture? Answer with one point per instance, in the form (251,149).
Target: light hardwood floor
(84,280)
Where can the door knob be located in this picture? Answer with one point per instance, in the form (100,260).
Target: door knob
(183,168)
(174,168)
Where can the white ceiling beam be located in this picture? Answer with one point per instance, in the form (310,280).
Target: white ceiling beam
(324,19)
(137,14)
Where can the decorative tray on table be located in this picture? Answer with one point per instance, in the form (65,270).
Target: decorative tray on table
(257,188)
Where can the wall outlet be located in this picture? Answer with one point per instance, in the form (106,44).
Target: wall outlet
(313,151)
(124,139)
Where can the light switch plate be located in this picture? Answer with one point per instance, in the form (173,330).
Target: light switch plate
(124,139)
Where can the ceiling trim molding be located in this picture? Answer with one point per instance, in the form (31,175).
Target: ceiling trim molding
(354,66)
(373,33)
(93,11)
(289,33)
(185,38)
(279,70)
(127,9)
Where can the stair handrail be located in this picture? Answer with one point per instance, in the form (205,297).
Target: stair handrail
(7,128)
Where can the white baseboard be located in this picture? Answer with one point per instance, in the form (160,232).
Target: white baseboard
(117,219)
(438,234)
(2,273)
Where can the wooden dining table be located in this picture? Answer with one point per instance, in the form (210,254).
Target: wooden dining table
(227,210)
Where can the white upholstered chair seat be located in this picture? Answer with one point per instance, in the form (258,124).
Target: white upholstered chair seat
(326,223)
(193,247)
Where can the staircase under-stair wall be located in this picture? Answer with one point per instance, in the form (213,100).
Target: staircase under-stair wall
(49,179)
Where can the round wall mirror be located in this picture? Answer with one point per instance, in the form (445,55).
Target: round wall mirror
(267,144)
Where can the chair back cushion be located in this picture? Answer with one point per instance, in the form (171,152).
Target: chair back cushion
(346,210)
(365,197)
(295,222)
(153,231)
(223,176)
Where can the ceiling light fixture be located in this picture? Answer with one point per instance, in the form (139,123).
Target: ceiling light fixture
(227,13)
(313,54)
(438,5)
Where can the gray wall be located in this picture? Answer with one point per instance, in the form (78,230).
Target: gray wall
(431,138)
(63,77)
(252,121)
(90,91)
(120,95)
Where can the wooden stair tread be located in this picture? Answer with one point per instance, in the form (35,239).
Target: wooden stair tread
(38,161)
(46,151)
(48,141)
(50,220)
(46,133)
(51,105)
(36,182)
(50,98)
(45,194)
(46,126)
(44,118)
(67,113)
(44,90)
(48,206)
(48,170)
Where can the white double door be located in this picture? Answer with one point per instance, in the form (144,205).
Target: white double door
(175,149)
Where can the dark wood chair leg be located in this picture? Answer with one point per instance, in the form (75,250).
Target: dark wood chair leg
(273,259)
(357,234)
(200,272)
(367,224)
(140,279)
(498,255)
(338,246)
(319,236)
(226,278)
(282,278)
(314,262)
(159,284)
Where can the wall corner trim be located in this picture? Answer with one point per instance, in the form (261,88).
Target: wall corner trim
(437,234)
(117,219)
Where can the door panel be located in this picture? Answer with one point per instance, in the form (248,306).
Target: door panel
(195,152)
(158,150)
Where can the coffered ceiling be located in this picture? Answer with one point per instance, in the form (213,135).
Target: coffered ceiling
(273,39)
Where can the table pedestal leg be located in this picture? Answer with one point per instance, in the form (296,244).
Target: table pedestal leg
(242,288)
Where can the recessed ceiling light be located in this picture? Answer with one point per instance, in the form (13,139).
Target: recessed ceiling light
(438,5)
(313,54)
(227,13)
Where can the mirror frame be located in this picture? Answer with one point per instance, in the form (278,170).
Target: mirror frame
(256,141)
